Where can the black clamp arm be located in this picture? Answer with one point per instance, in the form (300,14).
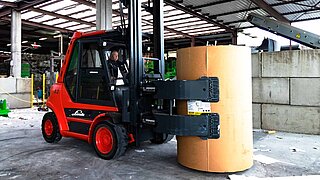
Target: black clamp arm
(205,89)
(204,126)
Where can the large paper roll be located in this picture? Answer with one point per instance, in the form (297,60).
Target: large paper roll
(233,150)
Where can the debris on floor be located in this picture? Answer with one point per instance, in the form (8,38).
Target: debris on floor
(140,150)
(270,132)
(29,118)
(293,149)
(267,160)
(262,148)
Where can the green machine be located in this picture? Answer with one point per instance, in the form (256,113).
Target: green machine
(25,70)
(170,68)
(3,108)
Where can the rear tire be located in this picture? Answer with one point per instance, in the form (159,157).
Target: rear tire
(110,141)
(50,128)
(160,138)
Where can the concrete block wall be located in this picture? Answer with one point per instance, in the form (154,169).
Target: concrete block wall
(17,91)
(286,91)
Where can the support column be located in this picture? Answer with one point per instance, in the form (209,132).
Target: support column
(16,42)
(104,14)
(158,39)
(235,37)
(193,42)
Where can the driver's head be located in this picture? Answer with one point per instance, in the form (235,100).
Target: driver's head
(114,56)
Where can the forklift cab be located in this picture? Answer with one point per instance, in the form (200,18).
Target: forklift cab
(88,78)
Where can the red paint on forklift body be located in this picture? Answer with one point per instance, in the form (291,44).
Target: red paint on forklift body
(59,98)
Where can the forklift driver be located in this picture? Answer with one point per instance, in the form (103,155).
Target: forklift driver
(114,66)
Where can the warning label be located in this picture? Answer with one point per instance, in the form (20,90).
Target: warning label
(198,107)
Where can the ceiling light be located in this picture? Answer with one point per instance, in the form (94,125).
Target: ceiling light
(39,16)
(24,42)
(70,7)
(42,39)
(8,44)
(57,36)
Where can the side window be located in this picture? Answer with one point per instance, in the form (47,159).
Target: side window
(72,74)
(93,83)
(90,56)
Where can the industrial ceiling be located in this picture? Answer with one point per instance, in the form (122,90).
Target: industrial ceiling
(184,20)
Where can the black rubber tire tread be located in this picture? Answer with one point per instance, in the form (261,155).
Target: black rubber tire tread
(169,137)
(119,134)
(123,140)
(56,136)
(158,138)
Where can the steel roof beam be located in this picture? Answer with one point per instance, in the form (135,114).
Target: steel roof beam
(253,9)
(8,4)
(38,16)
(189,11)
(62,16)
(71,21)
(118,13)
(212,4)
(27,33)
(288,13)
(41,25)
(41,6)
(21,5)
(150,23)
(46,26)
(266,7)
(171,30)
(182,25)
(87,3)
(71,14)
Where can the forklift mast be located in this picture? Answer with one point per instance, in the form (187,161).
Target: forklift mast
(141,88)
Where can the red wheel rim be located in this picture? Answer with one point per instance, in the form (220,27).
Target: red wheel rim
(48,127)
(104,140)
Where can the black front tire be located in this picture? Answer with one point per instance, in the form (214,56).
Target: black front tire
(119,140)
(160,138)
(50,128)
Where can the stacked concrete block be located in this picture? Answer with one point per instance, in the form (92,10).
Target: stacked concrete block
(302,63)
(305,91)
(16,91)
(7,85)
(298,119)
(17,100)
(286,91)
(270,90)
(23,85)
(256,116)
(256,65)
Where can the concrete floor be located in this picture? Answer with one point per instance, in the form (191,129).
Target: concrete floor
(25,155)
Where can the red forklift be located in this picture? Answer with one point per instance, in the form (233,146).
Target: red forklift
(87,104)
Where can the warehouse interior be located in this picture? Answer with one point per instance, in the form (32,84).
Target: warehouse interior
(266,104)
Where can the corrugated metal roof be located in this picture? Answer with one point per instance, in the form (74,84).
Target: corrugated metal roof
(227,6)
(290,8)
(308,16)
(199,2)
(178,22)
